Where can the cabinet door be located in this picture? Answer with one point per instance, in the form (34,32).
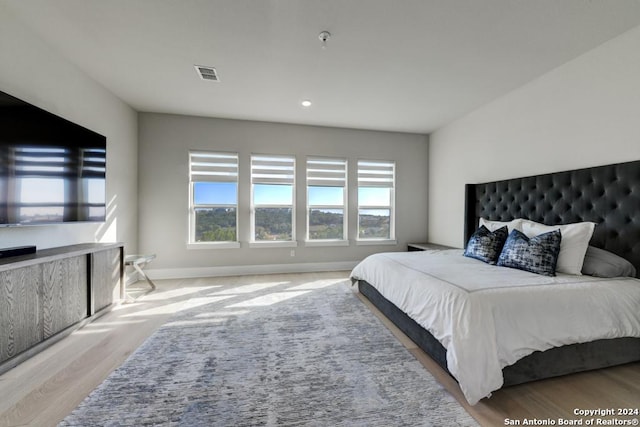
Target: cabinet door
(20,318)
(64,293)
(106,269)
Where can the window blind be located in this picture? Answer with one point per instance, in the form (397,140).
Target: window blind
(372,173)
(325,172)
(213,167)
(278,170)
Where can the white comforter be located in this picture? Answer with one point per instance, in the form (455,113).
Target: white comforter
(489,317)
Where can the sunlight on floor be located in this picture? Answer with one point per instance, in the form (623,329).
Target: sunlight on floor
(318,284)
(103,330)
(221,313)
(246,289)
(177,292)
(220,289)
(105,326)
(270,299)
(162,309)
(243,296)
(200,301)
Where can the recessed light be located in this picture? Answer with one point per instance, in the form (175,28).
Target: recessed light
(306,103)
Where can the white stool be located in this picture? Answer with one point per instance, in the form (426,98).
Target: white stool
(139,261)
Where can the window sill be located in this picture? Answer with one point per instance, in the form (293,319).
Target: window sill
(372,242)
(213,245)
(274,244)
(312,243)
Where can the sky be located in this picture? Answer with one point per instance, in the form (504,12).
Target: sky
(226,193)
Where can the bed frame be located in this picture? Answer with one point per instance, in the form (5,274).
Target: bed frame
(607,195)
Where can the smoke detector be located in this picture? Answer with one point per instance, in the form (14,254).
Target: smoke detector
(324,36)
(207,73)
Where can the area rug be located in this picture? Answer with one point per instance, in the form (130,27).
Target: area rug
(271,354)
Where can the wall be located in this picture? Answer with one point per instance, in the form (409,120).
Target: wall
(582,114)
(31,70)
(165,141)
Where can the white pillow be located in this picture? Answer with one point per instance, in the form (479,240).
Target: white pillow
(494,225)
(573,246)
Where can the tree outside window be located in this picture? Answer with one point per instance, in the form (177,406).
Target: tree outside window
(273,205)
(326,199)
(214,197)
(376,212)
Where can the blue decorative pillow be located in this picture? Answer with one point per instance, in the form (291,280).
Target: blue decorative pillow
(538,254)
(486,245)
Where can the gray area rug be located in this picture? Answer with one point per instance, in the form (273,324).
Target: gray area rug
(272,354)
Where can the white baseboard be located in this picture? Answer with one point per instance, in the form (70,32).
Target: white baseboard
(243,270)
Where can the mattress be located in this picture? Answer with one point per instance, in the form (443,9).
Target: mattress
(489,317)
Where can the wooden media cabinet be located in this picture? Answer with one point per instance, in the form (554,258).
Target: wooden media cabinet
(47,295)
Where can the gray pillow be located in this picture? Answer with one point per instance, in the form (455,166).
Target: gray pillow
(601,263)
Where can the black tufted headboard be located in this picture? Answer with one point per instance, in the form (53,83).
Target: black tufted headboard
(607,195)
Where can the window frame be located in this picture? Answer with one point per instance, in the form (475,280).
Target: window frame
(327,177)
(272,175)
(377,174)
(208,173)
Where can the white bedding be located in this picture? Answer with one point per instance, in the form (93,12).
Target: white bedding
(489,317)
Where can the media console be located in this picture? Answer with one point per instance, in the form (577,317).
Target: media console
(46,295)
(16,251)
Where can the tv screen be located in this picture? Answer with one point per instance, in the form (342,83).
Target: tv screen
(51,170)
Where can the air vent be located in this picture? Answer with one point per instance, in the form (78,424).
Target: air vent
(207,73)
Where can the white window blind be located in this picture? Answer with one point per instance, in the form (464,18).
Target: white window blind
(373,173)
(324,172)
(279,170)
(326,201)
(213,167)
(213,206)
(376,200)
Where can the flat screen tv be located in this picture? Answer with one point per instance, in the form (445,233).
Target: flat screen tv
(51,170)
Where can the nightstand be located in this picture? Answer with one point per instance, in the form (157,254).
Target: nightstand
(411,247)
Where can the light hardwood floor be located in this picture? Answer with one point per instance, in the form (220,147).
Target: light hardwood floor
(45,388)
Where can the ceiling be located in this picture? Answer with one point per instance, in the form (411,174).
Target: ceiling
(397,65)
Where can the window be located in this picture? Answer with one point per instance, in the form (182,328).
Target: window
(326,199)
(214,197)
(376,185)
(273,205)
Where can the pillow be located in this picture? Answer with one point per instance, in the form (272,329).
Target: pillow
(494,225)
(537,254)
(575,239)
(486,245)
(601,263)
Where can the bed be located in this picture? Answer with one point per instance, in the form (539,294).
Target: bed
(606,195)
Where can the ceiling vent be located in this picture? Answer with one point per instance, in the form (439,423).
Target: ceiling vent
(207,73)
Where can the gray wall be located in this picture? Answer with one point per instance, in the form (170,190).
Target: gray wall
(584,113)
(33,71)
(164,144)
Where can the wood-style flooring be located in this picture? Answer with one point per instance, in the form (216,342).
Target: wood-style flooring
(45,388)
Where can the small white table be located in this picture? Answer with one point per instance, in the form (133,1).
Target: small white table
(139,261)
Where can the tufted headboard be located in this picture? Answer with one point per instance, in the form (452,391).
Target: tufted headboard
(607,195)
